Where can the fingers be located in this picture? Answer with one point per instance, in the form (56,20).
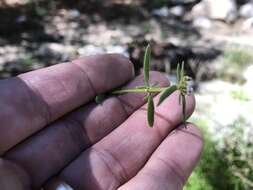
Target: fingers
(58,144)
(171,164)
(37,98)
(118,156)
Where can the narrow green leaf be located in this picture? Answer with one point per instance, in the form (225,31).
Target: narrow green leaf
(184,108)
(182,71)
(178,73)
(165,93)
(150,112)
(99,98)
(146,64)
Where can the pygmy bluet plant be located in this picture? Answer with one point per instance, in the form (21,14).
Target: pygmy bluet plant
(151,89)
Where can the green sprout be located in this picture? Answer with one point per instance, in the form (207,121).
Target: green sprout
(151,89)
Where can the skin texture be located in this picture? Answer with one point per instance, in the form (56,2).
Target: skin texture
(53,134)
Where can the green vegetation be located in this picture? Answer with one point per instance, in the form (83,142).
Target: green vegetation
(28,61)
(240,95)
(197,181)
(211,167)
(232,63)
(229,168)
(238,57)
(238,152)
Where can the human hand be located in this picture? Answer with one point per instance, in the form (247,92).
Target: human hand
(53,133)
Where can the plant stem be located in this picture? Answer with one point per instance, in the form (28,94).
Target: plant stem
(134,90)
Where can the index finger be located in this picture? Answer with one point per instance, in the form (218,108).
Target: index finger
(32,100)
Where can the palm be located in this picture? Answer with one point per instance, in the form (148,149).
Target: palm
(51,131)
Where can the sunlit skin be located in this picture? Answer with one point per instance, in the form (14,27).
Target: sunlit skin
(52,131)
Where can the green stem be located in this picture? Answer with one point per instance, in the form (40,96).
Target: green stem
(133,90)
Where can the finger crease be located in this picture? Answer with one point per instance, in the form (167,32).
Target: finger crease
(34,92)
(120,175)
(174,167)
(92,87)
(77,132)
(122,106)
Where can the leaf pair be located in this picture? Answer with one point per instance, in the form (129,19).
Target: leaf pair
(181,86)
(149,97)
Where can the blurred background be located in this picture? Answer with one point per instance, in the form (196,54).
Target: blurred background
(213,37)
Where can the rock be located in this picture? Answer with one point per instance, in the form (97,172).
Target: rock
(177,11)
(202,22)
(58,51)
(117,49)
(102,34)
(13,3)
(215,101)
(162,12)
(92,50)
(199,10)
(222,10)
(10,53)
(73,13)
(248,24)
(21,19)
(246,10)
